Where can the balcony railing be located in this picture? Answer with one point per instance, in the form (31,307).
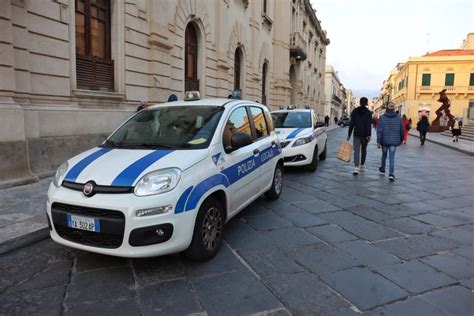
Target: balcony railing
(297,46)
(449,89)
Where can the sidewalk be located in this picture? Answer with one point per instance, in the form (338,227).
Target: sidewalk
(464,146)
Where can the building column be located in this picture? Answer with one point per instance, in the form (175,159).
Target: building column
(14,168)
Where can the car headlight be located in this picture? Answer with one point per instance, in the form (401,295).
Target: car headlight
(157,182)
(60,174)
(302,141)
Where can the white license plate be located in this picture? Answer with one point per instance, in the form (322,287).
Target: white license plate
(84,223)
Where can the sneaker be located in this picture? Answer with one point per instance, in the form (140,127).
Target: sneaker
(355,171)
(361,167)
(391,177)
(381,171)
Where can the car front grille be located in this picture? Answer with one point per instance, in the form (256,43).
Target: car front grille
(112,225)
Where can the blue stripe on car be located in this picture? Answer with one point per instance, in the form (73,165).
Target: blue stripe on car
(128,176)
(231,175)
(203,187)
(182,200)
(81,165)
(294,133)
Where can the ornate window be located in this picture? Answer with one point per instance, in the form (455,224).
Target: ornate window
(191,81)
(94,66)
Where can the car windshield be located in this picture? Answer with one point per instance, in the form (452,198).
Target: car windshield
(291,119)
(173,127)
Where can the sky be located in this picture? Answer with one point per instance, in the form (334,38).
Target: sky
(369,37)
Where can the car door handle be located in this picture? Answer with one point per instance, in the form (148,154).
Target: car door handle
(256,151)
(273,143)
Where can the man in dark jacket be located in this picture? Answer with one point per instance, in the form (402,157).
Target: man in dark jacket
(361,120)
(422,127)
(390,132)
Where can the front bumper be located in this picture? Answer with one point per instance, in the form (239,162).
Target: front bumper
(298,156)
(122,233)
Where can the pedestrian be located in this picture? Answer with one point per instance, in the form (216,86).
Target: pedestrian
(456,129)
(375,121)
(143,105)
(390,132)
(422,127)
(335,120)
(172,98)
(326,120)
(407,125)
(361,120)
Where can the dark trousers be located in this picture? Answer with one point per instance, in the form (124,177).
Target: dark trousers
(360,147)
(422,137)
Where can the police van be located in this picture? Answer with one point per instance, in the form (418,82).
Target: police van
(167,180)
(302,137)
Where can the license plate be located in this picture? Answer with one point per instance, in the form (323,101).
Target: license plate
(83,223)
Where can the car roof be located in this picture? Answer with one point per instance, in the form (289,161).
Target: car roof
(295,110)
(227,103)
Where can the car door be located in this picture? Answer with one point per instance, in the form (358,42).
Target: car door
(319,133)
(265,144)
(240,166)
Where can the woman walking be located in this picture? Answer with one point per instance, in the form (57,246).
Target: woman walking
(456,129)
(407,125)
(422,127)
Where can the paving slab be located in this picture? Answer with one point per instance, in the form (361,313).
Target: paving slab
(303,294)
(363,288)
(446,219)
(411,306)
(290,238)
(118,308)
(415,277)
(408,225)
(331,233)
(267,222)
(456,266)
(455,300)
(316,206)
(148,271)
(367,253)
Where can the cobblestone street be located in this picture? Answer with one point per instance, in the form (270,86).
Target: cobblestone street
(333,244)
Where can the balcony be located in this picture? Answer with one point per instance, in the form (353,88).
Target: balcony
(453,91)
(298,46)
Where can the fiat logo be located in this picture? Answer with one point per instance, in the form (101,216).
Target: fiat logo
(88,189)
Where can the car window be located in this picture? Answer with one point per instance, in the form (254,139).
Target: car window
(291,119)
(259,122)
(269,120)
(171,127)
(238,122)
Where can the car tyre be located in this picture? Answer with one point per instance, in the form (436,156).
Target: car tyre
(324,153)
(208,230)
(277,183)
(313,166)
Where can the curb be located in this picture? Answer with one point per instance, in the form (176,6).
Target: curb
(466,152)
(24,233)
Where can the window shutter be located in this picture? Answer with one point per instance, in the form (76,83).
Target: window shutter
(426,80)
(449,80)
(471,80)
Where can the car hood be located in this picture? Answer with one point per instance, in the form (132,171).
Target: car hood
(124,167)
(290,133)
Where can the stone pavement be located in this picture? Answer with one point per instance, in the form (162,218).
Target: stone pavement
(464,146)
(334,244)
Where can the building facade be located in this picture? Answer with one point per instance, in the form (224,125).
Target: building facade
(334,94)
(72,70)
(415,85)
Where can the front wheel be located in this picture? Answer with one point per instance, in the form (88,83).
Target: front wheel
(324,153)
(208,229)
(277,184)
(313,165)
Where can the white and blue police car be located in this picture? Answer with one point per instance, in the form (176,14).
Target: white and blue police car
(302,137)
(167,180)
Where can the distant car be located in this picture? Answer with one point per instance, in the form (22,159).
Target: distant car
(302,137)
(345,121)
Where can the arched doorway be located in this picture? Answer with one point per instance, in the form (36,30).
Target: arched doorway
(293,85)
(264,83)
(191,81)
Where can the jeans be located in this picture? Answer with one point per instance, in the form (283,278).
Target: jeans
(422,137)
(360,144)
(391,155)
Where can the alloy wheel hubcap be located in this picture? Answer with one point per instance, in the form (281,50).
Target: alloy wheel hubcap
(278,180)
(212,229)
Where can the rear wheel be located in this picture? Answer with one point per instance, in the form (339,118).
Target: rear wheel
(277,184)
(208,229)
(324,153)
(314,163)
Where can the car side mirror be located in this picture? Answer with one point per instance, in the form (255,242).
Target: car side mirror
(319,124)
(239,140)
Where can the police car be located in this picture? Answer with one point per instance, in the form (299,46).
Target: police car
(167,180)
(302,137)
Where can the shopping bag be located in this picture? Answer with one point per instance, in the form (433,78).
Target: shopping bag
(345,152)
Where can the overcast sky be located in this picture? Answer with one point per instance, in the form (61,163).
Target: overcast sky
(369,37)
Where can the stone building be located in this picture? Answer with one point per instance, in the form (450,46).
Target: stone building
(334,94)
(72,70)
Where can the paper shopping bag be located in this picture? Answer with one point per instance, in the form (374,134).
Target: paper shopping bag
(345,152)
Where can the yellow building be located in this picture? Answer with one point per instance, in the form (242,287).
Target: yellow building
(415,85)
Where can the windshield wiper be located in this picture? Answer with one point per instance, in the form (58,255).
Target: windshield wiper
(147,145)
(111,143)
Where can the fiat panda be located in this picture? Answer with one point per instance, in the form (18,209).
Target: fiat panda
(167,180)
